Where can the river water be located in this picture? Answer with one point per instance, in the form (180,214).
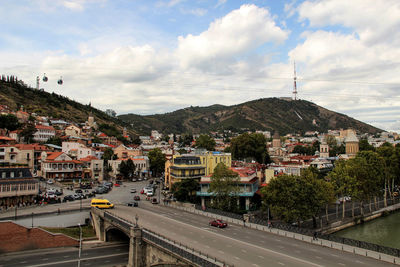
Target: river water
(383,231)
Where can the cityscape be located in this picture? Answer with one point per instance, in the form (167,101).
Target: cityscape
(199,133)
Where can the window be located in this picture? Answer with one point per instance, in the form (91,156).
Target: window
(27,156)
(1,149)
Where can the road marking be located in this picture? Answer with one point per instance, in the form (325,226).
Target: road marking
(255,265)
(334,255)
(280,263)
(45,259)
(342,264)
(281,247)
(244,251)
(262,241)
(261,257)
(229,246)
(359,262)
(278,240)
(235,233)
(23,262)
(237,258)
(65,256)
(220,251)
(208,246)
(75,260)
(245,243)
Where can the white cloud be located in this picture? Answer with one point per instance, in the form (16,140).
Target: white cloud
(220,3)
(234,35)
(375,21)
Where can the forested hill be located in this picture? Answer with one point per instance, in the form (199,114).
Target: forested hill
(15,94)
(270,114)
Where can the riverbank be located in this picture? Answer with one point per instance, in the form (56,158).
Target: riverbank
(350,222)
(383,231)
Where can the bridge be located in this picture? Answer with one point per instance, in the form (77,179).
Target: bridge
(147,248)
(183,238)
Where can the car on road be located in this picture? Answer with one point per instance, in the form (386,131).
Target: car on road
(133,190)
(218,223)
(154,201)
(50,181)
(133,204)
(117,185)
(78,196)
(137,198)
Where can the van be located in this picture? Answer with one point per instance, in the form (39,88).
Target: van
(101,203)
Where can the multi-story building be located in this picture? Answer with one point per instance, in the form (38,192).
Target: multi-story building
(58,165)
(93,168)
(17,187)
(194,166)
(124,152)
(22,154)
(43,133)
(248,184)
(142,166)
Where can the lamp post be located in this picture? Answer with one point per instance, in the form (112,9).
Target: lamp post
(80,245)
(16,200)
(32,219)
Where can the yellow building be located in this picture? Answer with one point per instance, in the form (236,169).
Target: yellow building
(193,166)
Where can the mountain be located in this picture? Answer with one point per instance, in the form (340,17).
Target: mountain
(16,94)
(271,114)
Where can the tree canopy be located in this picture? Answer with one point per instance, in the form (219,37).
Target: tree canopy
(295,198)
(9,122)
(224,186)
(250,146)
(157,161)
(205,141)
(127,168)
(185,190)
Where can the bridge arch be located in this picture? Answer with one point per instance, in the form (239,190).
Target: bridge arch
(114,234)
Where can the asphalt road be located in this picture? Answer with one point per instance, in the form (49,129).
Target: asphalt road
(238,245)
(110,254)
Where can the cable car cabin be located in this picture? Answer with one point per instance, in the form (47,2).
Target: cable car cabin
(60,81)
(101,204)
(45,79)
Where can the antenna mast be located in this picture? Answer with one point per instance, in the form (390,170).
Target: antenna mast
(295,83)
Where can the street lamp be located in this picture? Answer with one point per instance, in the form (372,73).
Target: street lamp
(80,245)
(32,219)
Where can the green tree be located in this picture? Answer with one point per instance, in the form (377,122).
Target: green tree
(186,139)
(224,187)
(157,161)
(9,122)
(55,140)
(250,146)
(108,154)
(365,146)
(28,131)
(205,141)
(297,198)
(127,168)
(185,190)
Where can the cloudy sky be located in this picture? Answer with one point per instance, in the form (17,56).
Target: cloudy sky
(147,57)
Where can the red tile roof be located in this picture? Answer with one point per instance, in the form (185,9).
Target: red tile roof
(53,155)
(44,127)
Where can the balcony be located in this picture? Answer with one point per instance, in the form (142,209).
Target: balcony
(188,176)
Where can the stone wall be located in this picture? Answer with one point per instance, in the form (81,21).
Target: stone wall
(21,238)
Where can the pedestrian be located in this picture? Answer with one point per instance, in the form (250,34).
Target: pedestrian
(269,224)
(315,236)
(244,222)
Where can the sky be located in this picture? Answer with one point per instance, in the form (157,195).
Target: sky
(149,57)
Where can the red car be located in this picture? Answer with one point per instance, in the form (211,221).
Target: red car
(142,191)
(137,198)
(218,223)
(116,185)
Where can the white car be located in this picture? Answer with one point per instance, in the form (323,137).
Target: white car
(133,190)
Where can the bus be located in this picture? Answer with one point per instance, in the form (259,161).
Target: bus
(101,203)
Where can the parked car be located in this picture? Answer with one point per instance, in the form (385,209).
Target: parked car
(78,191)
(154,201)
(218,223)
(137,198)
(50,181)
(133,190)
(59,192)
(132,204)
(69,198)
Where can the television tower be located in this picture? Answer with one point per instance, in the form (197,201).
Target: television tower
(295,83)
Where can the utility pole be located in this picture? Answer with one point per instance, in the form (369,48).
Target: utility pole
(80,245)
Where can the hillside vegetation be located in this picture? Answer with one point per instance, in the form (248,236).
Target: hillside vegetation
(16,95)
(269,114)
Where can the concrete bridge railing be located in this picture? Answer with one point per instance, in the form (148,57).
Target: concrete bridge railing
(148,248)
